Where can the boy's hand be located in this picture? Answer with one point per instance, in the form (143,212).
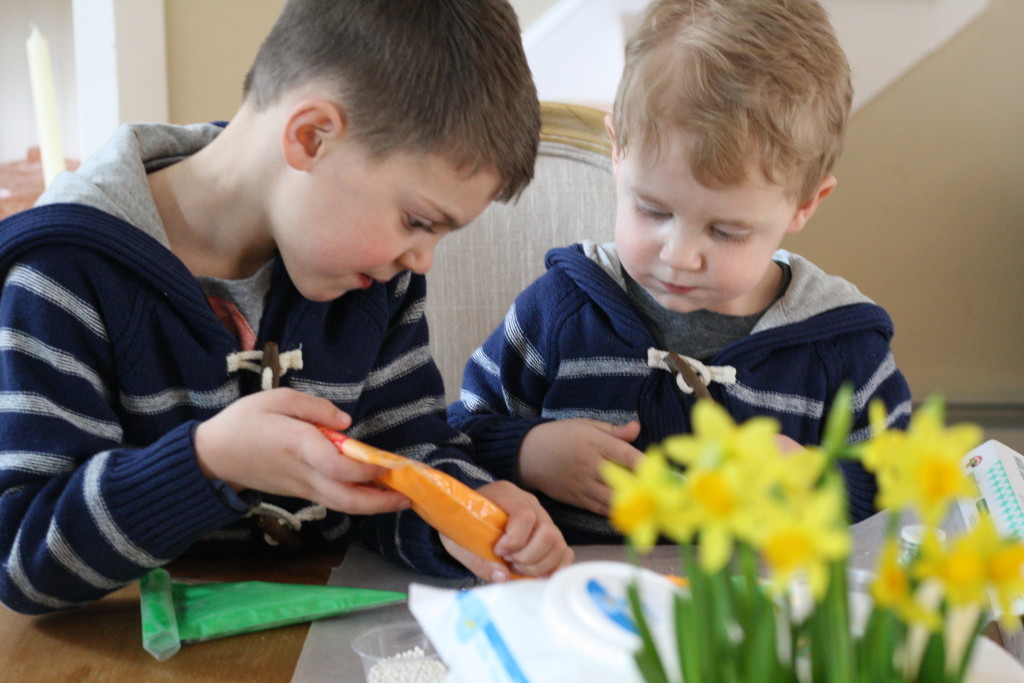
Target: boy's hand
(786,444)
(269,442)
(563,459)
(532,545)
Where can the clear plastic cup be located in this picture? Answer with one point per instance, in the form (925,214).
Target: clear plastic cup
(398,651)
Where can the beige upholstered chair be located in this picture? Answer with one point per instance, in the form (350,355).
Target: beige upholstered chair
(480,269)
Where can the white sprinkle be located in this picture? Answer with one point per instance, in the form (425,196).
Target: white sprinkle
(411,666)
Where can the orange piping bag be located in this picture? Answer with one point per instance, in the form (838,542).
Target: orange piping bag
(457,511)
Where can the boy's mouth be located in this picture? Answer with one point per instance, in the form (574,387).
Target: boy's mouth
(675,289)
(365,281)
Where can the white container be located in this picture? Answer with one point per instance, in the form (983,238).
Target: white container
(586,606)
(399,652)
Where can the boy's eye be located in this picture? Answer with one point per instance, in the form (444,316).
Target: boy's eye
(420,224)
(725,235)
(652,213)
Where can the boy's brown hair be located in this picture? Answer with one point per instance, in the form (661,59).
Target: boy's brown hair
(747,80)
(429,76)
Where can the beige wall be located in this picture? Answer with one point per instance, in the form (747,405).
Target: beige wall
(928,218)
(210,46)
(530,10)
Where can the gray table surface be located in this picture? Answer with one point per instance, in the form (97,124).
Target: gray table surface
(328,657)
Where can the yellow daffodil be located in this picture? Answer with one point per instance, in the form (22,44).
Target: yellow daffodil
(737,495)
(717,438)
(730,471)
(1006,580)
(884,442)
(893,589)
(891,586)
(920,468)
(979,561)
(642,497)
(714,502)
(801,540)
(800,473)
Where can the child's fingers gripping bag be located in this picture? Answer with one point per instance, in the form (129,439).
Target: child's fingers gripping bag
(446,504)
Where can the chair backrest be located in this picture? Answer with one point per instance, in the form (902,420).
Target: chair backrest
(479,270)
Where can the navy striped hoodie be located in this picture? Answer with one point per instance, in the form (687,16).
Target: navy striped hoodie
(573,346)
(110,355)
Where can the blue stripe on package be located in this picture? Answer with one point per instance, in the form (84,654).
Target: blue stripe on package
(475,621)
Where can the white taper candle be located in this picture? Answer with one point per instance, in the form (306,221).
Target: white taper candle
(44,97)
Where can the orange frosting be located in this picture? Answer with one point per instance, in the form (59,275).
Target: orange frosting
(457,511)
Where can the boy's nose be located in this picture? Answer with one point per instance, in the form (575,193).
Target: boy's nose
(418,260)
(682,254)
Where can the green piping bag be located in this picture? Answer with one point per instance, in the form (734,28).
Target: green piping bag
(174,613)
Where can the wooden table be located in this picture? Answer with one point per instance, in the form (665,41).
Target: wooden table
(103,642)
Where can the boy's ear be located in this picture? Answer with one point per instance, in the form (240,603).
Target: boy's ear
(311,124)
(807,209)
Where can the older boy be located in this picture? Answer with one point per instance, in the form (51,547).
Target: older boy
(727,122)
(151,296)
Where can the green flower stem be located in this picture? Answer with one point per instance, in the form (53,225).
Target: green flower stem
(893,521)
(759,646)
(832,655)
(688,639)
(877,647)
(723,615)
(647,658)
(713,632)
(933,660)
(838,424)
(757,618)
(751,593)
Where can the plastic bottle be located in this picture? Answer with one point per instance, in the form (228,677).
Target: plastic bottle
(911,538)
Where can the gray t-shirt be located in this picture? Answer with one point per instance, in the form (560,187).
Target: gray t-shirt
(115,180)
(700,334)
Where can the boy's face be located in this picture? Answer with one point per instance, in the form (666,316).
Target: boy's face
(353,221)
(696,248)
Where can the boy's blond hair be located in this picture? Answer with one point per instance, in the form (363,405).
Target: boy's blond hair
(762,81)
(433,76)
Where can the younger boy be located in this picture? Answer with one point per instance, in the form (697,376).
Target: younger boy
(179,315)
(727,122)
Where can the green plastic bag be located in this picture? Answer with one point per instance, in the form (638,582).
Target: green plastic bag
(174,613)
